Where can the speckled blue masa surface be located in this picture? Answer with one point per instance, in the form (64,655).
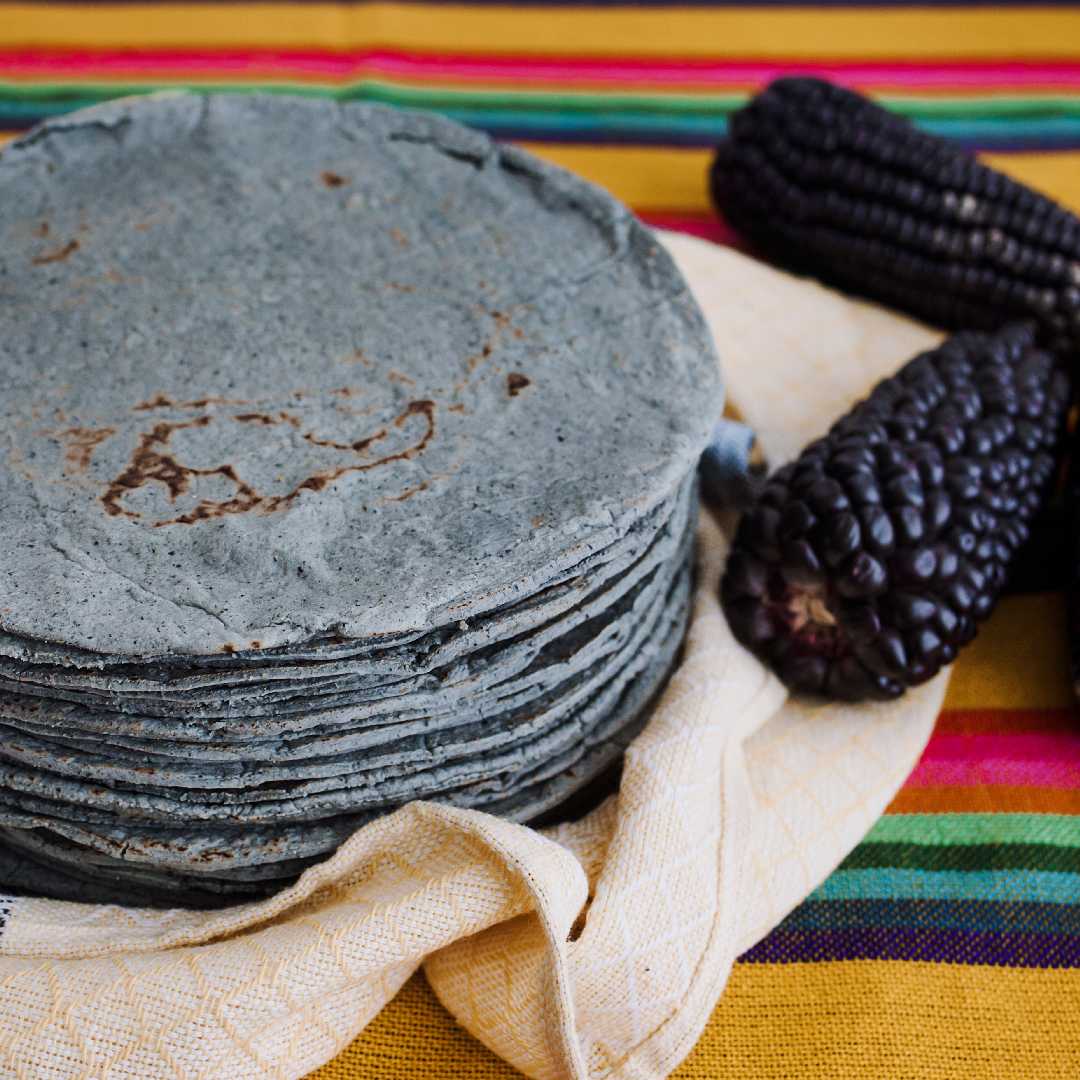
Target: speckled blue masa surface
(349,459)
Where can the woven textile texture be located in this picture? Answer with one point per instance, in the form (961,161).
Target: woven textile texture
(883,972)
(734,803)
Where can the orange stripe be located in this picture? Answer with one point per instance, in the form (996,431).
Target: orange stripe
(993,800)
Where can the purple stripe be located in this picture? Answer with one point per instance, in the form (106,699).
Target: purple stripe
(788,946)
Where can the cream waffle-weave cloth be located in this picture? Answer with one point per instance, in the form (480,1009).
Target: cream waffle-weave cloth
(595,949)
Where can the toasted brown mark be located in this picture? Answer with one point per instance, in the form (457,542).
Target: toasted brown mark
(399,238)
(151,463)
(516,382)
(358,356)
(227,648)
(333,179)
(400,377)
(537,521)
(82,442)
(42,229)
(458,408)
(162,402)
(268,419)
(408,493)
(59,255)
(358,447)
(158,402)
(502,324)
(319,481)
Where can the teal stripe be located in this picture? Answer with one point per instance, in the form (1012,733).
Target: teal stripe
(654,120)
(1059,830)
(981,130)
(887,883)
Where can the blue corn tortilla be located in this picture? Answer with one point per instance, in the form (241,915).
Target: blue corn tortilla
(348,458)
(276,368)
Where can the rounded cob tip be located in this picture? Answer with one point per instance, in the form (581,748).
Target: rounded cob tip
(868,562)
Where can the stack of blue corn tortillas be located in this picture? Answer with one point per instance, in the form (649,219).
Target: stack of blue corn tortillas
(348,459)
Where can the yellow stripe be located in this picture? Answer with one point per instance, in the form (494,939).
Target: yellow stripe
(1056,174)
(794,33)
(667,178)
(1019,660)
(644,177)
(674,179)
(829,1021)
(891,1019)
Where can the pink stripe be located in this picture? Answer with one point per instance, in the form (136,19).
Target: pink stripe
(711,74)
(989,772)
(1060,746)
(706,226)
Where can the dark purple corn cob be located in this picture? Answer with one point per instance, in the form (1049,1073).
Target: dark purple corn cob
(869,561)
(831,184)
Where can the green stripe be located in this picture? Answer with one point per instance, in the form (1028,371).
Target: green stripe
(398,94)
(965,857)
(1041,107)
(1062,830)
(985,105)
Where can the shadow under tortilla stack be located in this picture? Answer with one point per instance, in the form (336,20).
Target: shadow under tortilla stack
(348,458)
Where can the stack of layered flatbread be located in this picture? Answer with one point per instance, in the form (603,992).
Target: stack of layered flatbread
(346,459)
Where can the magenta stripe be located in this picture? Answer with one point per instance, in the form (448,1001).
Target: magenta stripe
(354,64)
(996,771)
(1023,746)
(706,226)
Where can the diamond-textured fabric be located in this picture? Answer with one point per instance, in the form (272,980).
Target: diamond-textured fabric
(594,949)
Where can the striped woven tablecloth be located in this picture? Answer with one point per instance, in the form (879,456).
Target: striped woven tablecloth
(947,944)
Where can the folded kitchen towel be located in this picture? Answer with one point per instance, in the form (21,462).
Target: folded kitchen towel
(592,949)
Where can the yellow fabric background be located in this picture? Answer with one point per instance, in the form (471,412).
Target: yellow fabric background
(879,1020)
(819,1021)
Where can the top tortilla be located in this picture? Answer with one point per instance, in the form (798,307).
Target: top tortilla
(277,368)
